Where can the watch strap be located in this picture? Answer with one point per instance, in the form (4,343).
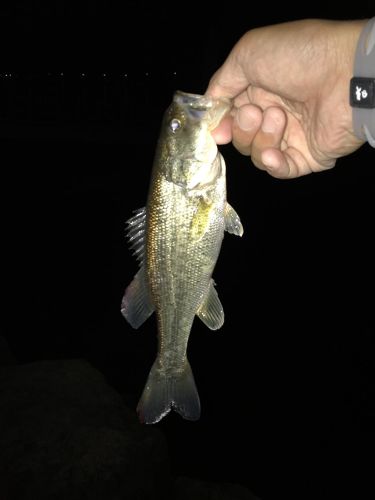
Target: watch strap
(362,85)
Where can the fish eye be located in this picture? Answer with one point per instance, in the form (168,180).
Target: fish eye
(175,124)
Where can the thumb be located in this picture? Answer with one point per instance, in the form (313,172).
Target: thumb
(230,79)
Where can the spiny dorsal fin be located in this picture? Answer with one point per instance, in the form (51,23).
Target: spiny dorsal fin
(136,231)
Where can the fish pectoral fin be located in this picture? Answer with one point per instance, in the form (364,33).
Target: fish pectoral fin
(136,304)
(211,311)
(232,221)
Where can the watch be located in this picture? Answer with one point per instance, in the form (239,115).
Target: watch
(362,85)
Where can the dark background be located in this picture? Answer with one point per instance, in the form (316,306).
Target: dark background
(287,398)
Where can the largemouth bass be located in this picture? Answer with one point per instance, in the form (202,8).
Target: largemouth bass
(177,239)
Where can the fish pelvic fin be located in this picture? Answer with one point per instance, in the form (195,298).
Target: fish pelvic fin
(166,390)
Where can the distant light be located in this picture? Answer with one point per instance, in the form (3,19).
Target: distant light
(83,74)
(175,73)
(147,73)
(61,74)
(126,75)
(104,75)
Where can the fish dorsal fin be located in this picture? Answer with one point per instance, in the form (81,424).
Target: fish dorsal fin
(232,221)
(211,311)
(136,304)
(136,231)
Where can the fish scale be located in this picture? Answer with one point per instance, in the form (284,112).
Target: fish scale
(174,253)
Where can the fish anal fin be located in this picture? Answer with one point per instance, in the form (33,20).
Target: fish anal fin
(211,311)
(136,304)
(232,221)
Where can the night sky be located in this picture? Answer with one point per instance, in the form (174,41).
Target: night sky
(288,403)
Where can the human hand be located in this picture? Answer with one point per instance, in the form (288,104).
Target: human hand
(290,89)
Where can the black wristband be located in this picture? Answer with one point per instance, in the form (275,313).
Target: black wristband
(362,92)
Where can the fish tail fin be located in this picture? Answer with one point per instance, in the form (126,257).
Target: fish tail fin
(169,389)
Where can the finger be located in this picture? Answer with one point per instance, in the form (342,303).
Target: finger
(242,99)
(291,163)
(230,79)
(278,164)
(246,123)
(223,132)
(269,136)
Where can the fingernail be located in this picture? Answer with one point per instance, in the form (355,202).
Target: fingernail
(244,120)
(269,125)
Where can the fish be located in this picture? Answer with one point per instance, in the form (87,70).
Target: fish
(177,239)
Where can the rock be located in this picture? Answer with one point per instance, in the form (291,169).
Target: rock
(194,489)
(66,434)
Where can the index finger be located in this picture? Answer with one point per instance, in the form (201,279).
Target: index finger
(223,132)
(228,81)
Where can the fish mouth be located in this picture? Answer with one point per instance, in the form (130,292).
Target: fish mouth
(195,101)
(204,107)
